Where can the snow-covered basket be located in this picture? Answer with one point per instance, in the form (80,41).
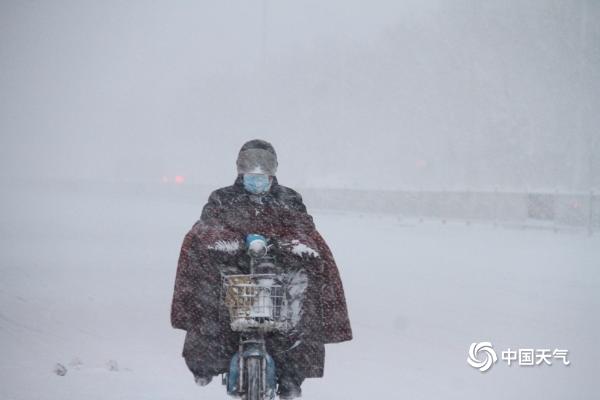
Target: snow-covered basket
(255,302)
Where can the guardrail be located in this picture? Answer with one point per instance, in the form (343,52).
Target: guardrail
(556,209)
(559,209)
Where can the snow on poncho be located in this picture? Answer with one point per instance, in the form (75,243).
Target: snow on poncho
(228,246)
(298,248)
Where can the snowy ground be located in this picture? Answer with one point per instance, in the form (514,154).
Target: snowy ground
(86,280)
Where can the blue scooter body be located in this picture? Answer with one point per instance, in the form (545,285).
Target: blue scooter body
(234,370)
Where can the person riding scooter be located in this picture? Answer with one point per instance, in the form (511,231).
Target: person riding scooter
(257,203)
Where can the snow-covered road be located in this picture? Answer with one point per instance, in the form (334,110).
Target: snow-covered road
(86,281)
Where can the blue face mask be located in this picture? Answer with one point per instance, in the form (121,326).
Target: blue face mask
(257,183)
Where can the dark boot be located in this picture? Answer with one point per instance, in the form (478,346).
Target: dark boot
(289,388)
(202,380)
(201,376)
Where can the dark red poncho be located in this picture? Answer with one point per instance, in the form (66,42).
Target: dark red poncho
(215,244)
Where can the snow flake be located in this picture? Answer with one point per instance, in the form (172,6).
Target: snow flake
(296,344)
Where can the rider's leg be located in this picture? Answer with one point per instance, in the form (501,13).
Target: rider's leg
(289,387)
(305,359)
(201,375)
(295,360)
(208,356)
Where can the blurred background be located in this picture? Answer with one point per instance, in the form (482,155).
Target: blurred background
(459,138)
(394,94)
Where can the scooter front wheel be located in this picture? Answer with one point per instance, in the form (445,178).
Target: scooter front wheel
(254,376)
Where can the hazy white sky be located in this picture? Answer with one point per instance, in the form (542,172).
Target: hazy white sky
(359,94)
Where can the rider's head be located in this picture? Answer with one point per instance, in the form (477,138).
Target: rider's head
(257,163)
